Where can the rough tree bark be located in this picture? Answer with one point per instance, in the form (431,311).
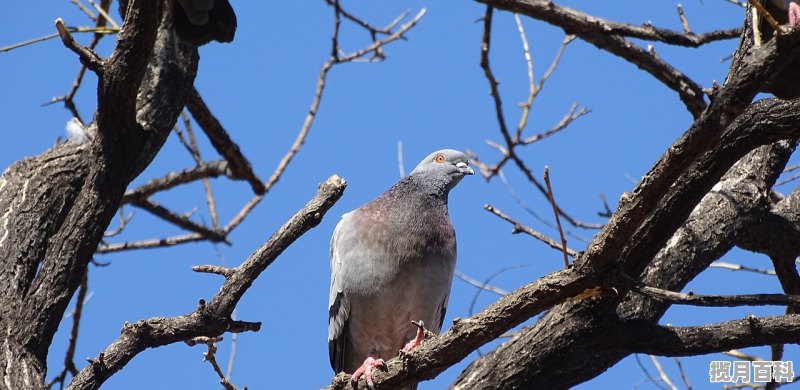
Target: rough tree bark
(710,191)
(56,206)
(653,235)
(577,341)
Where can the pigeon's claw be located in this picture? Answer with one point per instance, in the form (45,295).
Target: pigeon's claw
(794,15)
(416,341)
(366,371)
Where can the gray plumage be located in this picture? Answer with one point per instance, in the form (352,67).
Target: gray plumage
(392,262)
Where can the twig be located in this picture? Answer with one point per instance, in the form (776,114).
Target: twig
(607,213)
(213,235)
(102,11)
(662,374)
(486,286)
(526,107)
(789,180)
(487,70)
(222,142)
(610,36)
(683,374)
(210,356)
(213,318)
(372,29)
(84,9)
(69,98)
(96,30)
(767,16)
(488,280)
(741,355)
(150,244)
(739,267)
(791,168)
(209,169)
(555,213)
(123,221)
(378,44)
(684,22)
(708,300)
(480,285)
(571,115)
(195,152)
(69,358)
(519,200)
(520,228)
(232,356)
(583,25)
(507,151)
(334,59)
(647,374)
(87,56)
(214,269)
(554,63)
(234,335)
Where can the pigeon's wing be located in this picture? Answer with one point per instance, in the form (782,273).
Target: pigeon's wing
(441,309)
(436,327)
(338,304)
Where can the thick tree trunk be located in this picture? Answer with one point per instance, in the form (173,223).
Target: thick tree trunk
(55,207)
(578,341)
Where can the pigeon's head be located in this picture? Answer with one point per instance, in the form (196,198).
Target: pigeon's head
(443,168)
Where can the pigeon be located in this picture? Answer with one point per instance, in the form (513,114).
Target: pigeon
(392,263)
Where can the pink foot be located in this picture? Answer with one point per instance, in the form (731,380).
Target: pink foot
(416,341)
(366,371)
(794,14)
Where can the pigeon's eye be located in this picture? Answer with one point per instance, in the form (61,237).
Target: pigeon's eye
(439,158)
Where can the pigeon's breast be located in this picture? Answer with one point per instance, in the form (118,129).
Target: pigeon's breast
(409,232)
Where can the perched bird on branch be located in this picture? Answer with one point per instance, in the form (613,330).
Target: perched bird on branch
(203,21)
(392,263)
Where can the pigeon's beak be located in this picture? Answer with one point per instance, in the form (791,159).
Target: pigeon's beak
(464,168)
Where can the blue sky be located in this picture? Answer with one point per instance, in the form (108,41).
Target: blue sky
(430,94)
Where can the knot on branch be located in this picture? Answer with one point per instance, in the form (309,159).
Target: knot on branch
(98,365)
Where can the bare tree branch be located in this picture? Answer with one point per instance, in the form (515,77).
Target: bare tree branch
(69,358)
(719,337)
(520,228)
(222,142)
(552,199)
(508,151)
(435,355)
(211,357)
(586,24)
(213,318)
(151,243)
(85,183)
(708,300)
(608,35)
(333,60)
(88,57)
(180,220)
(209,169)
